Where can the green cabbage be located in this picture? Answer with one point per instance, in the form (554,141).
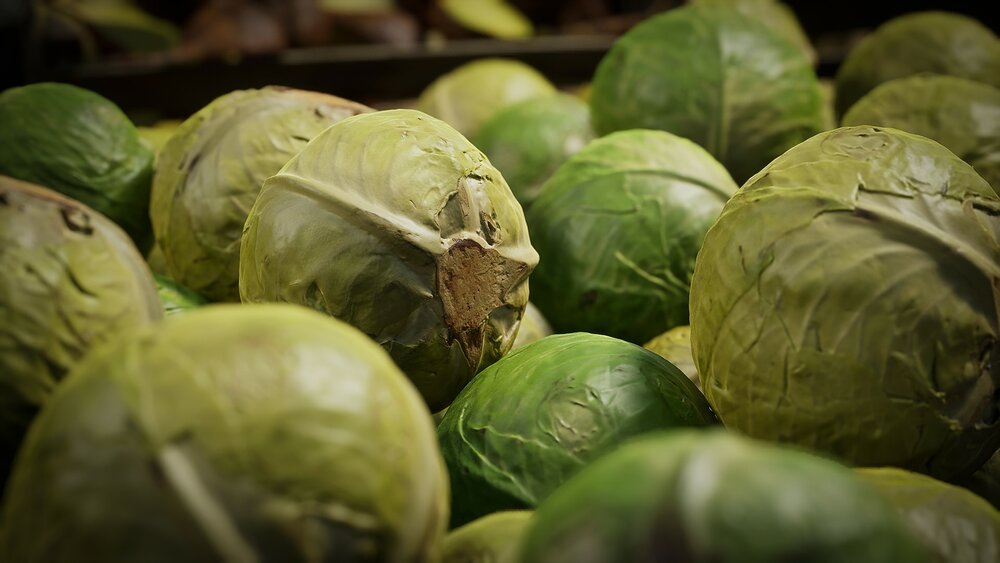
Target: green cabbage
(961,114)
(491,539)
(714,76)
(618,227)
(79,144)
(846,301)
(540,414)
(777,16)
(954,525)
(231,433)
(70,279)
(395,223)
(714,497)
(210,172)
(468,96)
(675,347)
(918,43)
(529,140)
(533,327)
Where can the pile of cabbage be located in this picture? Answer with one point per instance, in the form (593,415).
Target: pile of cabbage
(706,313)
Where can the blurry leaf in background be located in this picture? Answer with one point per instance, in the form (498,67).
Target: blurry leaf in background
(118,22)
(495,18)
(123,24)
(366,6)
(54,27)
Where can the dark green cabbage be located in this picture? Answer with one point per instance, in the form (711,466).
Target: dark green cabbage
(529,140)
(714,497)
(777,16)
(80,144)
(715,76)
(617,229)
(526,424)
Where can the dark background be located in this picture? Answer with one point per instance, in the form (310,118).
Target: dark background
(156,87)
(822,17)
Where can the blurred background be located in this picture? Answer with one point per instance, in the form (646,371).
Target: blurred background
(162,59)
